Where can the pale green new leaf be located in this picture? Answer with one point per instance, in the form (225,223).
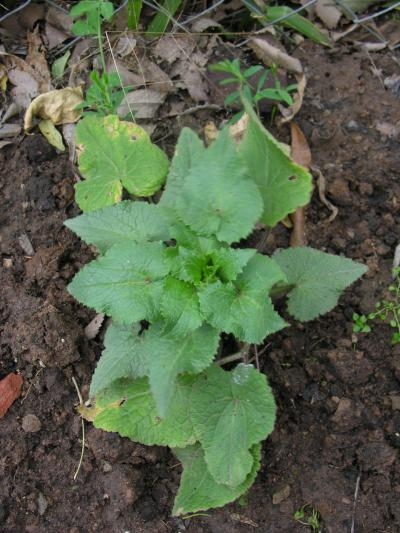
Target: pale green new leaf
(189,149)
(170,355)
(244,307)
(283,184)
(198,490)
(231,411)
(122,357)
(128,408)
(116,152)
(124,223)
(216,198)
(126,283)
(318,278)
(180,307)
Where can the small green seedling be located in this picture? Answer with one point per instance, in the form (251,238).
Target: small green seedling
(308,516)
(176,284)
(387,311)
(105,93)
(244,87)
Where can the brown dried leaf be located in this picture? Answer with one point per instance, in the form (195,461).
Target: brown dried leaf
(301,154)
(270,54)
(290,112)
(143,103)
(37,60)
(10,390)
(59,106)
(23,77)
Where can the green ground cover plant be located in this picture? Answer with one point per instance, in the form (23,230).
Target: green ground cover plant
(175,282)
(387,310)
(243,87)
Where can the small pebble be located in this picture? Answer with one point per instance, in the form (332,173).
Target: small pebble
(31,423)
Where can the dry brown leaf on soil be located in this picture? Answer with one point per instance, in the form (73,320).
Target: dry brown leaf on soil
(270,54)
(37,60)
(59,106)
(328,13)
(288,113)
(9,130)
(301,154)
(10,390)
(321,186)
(23,77)
(143,103)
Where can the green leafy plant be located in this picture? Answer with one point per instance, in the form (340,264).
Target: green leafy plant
(116,155)
(173,279)
(105,93)
(308,516)
(387,310)
(244,86)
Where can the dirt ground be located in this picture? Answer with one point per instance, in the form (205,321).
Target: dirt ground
(336,441)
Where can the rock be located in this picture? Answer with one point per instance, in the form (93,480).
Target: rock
(347,415)
(340,192)
(351,366)
(395,403)
(281,495)
(31,423)
(42,504)
(376,456)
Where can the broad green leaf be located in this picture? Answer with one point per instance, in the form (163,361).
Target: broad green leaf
(128,408)
(208,263)
(318,279)
(180,307)
(124,223)
(244,307)
(283,184)
(297,23)
(116,152)
(97,192)
(126,283)
(83,7)
(122,357)
(189,149)
(198,490)
(216,198)
(231,411)
(170,355)
(59,65)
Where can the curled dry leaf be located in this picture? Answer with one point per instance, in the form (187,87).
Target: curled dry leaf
(143,103)
(92,329)
(270,54)
(23,77)
(290,112)
(51,133)
(10,390)
(328,13)
(59,106)
(301,154)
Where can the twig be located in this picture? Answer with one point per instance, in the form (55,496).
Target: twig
(191,110)
(353,521)
(31,383)
(78,392)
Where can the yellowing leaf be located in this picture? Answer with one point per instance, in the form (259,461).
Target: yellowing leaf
(58,106)
(52,134)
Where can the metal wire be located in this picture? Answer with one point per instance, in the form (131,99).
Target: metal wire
(10,13)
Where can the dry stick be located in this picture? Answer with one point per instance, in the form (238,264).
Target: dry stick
(353,522)
(83,429)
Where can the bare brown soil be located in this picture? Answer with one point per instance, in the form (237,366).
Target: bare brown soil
(338,428)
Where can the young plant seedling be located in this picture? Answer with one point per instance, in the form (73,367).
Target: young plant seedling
(173,279)
(386,310)
(253,92)
(105,93)
(308,516)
